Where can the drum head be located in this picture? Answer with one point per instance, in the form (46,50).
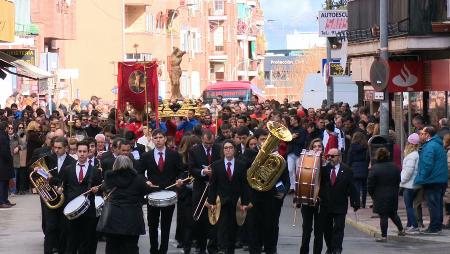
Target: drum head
(99,201)
(161,195)
(74,205)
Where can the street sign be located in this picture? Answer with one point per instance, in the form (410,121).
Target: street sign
(378,96)
(379,74)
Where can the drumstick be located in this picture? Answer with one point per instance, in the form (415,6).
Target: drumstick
(295,215)
(186,179)
(91,189)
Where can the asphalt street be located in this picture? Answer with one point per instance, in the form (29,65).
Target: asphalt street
(20,232)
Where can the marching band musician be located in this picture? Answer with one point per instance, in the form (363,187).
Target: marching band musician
(163,167)
(337,190)
(313,214)
(76,179)
(200,159)
(228,182)
(263,218)
(55,235)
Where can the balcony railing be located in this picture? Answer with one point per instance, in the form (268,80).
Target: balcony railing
(217,12)
(406,17)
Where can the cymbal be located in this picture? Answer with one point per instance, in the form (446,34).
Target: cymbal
(240,215)
(214,216)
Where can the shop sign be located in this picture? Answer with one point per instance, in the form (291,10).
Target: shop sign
(22,54)
(332,22)
(7,21)
(405,76)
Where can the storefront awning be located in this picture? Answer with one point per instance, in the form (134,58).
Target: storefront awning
(24,69)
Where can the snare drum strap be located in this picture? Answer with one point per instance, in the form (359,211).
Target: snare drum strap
(109,194)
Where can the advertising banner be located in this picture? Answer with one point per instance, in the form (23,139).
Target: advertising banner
(332,22)
(405,76)
(7,21)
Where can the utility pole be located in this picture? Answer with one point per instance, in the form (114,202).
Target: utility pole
(384,107)
(330,85)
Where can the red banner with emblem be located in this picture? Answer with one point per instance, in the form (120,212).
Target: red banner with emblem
(405,76)
(134,78)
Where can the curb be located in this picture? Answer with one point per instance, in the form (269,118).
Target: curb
(374,232)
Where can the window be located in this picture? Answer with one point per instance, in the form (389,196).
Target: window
(138,57)
(197,41)
(149,23)
(184,40)
(218,39)
(219,7)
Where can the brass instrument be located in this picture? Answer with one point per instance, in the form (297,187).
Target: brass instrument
(267,167)
(48,193)
(213,216)
(199,209)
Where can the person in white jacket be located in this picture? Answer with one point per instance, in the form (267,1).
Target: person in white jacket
(409,171)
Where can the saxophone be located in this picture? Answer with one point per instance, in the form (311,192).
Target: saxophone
(267,166)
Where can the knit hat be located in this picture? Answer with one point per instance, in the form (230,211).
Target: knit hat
(413,139)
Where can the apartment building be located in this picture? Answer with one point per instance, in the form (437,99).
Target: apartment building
(223,39)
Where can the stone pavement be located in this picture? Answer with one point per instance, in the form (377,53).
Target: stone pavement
(366,221)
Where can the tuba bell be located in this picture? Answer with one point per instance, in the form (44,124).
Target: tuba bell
(267,166)
(49,195)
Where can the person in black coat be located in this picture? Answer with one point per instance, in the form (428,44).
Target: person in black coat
(358,161)
(76,179)
(163,168)
(53,220)
(122,219)
(383,186)
(334,199)
(295,146)
(229,183)
(200,159)
(6,166)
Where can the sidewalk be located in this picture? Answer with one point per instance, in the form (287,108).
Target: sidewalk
(364,221)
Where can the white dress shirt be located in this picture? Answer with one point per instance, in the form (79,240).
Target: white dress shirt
(61,161)
(231,166)
(85,168)
(156,154)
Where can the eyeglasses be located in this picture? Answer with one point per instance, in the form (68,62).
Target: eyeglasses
(333,155)
(20,127)
(10,128)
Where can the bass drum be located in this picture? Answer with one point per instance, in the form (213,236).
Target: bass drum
(307,178)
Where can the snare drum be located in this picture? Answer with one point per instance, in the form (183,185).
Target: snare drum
(77,207)
(307,182)
(162,198)
(99,202)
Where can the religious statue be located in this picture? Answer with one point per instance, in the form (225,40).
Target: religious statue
(175,72)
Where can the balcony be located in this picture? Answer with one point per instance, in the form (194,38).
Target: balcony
(218,54)
(412,25)
(406,18)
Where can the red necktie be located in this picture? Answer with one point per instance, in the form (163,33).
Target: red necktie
(81,174)
(333,176)
(208,153)
(161,162)
(229,170)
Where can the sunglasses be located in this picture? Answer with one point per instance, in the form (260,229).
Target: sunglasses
(333,155)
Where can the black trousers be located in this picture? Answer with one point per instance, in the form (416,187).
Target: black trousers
(384,222)
(205,233)
(81,235)
(312,217)
(263,221)
(227,228)
(122,244)
(54,226)
(22,179)
(334,225)
(186,223)
(153,215)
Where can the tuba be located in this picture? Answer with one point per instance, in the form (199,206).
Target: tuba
(267,166)
(49,195)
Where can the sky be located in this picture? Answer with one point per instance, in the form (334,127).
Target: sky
(287,16)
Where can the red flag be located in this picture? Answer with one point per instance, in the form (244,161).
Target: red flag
(132,79)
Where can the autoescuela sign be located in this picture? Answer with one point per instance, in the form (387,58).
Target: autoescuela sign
(332,22)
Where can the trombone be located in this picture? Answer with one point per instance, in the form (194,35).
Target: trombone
(197,212)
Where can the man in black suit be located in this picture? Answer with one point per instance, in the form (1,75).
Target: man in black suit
(77,179)
(229,183)
(263,218)
(107,158)
(53,219)
(240,134)
(163,168)
(335,200)
(200,159)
